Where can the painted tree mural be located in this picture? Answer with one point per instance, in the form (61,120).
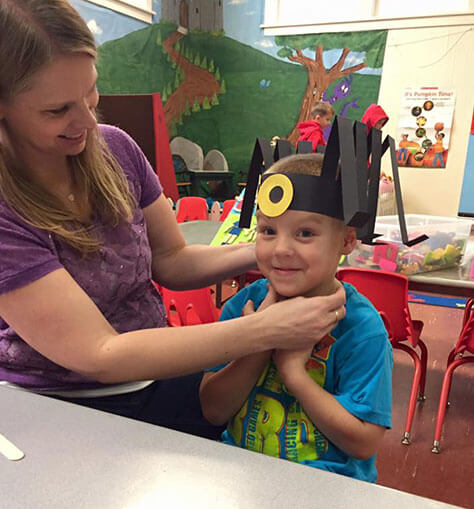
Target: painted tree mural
(320,78)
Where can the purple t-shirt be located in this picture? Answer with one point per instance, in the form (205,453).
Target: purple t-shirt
(117,278)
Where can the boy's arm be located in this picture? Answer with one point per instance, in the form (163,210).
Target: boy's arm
(223,393)
(357,438)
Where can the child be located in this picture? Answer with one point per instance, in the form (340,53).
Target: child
(312,130)
(438,150)
(374,116)
(329,406)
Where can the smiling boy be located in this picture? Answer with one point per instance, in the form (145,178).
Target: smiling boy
(329,406)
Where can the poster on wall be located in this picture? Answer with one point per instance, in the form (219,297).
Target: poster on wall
(424,127)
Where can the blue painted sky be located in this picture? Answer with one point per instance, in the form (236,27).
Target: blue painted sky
(105,24)
(242,20)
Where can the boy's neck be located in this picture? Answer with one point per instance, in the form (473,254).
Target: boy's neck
(328,288)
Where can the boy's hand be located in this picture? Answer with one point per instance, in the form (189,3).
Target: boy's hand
(270,299)
(291,362)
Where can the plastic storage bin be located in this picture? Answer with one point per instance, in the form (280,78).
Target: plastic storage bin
(444,248)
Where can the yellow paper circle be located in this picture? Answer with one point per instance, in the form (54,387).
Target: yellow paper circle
(268,207)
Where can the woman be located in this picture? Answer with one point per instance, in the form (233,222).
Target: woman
(84,231)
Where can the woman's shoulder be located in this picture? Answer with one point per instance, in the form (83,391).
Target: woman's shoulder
(11,222)
(120,143)
(133,162)
(113,133)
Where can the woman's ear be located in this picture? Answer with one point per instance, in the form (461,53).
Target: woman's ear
(350,240)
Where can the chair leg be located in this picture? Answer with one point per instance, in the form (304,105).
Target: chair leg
(451,356)
(443,400)
(415,387)
(424,365)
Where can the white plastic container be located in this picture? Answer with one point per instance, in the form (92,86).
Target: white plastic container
(444,248)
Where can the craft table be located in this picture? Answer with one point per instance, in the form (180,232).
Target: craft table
(82,458)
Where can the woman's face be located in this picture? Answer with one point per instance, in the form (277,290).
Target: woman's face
(52,118)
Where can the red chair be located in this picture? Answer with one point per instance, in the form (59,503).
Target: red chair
(226,208)
(456,358)
(388,292)
(189,307)
(191,208)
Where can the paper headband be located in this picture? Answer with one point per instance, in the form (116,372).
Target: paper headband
(350,195)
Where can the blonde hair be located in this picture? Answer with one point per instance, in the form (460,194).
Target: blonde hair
(34,33)
(299,164)
(322,109)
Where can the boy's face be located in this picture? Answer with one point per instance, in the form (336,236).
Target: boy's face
(323,120)
(298,252)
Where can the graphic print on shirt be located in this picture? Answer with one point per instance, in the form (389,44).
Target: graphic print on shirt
(273,422)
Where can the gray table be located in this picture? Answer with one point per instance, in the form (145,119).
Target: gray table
(199,232)
(445,281)
(76,457)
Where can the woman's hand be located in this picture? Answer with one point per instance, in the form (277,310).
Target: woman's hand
(301,322)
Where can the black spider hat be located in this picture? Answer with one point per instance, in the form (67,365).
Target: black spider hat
(347,188)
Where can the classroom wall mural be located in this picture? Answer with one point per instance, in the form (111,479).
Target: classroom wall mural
(106,24)
(223,82)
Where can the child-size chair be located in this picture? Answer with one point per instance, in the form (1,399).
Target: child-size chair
(465,344)
(388,292)
(191,208)
(215,214)
(189,307)
(226,208)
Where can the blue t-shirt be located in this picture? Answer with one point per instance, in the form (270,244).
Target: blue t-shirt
(354,364)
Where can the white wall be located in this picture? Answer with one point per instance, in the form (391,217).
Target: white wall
(408,51)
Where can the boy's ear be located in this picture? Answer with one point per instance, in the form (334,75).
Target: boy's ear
(350,240)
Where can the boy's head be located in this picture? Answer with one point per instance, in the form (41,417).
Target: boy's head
(298,251)
(322,113)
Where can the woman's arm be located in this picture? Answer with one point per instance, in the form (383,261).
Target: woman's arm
(58,319)
(357,438)
(178,266)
